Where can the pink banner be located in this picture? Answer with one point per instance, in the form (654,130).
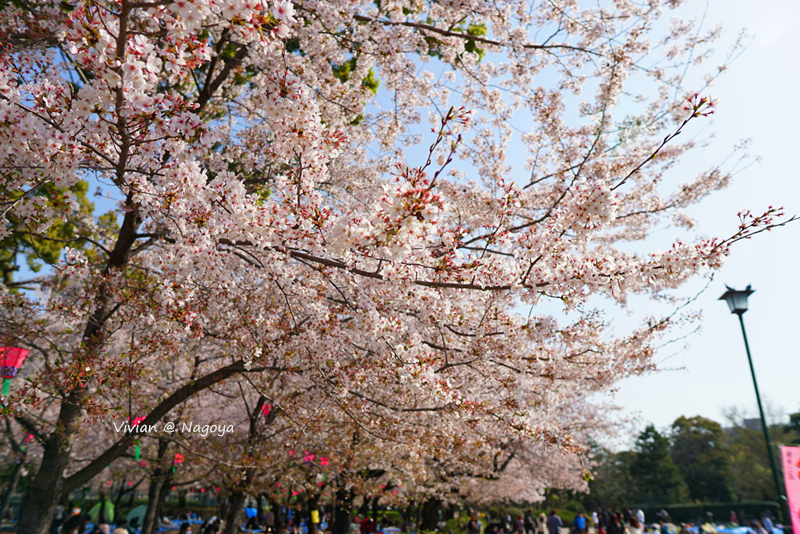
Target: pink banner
(791,477)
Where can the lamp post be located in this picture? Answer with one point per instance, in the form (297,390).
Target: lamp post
(737,302)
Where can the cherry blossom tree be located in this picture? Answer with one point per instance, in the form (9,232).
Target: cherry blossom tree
(273,220)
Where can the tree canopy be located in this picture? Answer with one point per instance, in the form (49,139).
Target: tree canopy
(284,234)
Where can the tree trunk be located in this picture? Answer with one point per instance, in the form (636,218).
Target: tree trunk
(156,495)
(47,489)
(12,487)
(158,481)
(233,518)
(181,501)
(343,512)
(164,491)
(313,504)
(276,512)
(430,514)
(120,494)
(224,506)
(363,510)
(375,509)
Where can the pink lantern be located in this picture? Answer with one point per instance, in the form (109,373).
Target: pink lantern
(11,359)
(324,461)
(266,409)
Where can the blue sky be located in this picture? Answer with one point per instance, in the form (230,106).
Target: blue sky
(758,99)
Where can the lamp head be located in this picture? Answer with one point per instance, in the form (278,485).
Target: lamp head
(737,299)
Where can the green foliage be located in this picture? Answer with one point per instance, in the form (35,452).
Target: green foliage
(658,478)
(474,29)
(453,526)
(613,485)
(342,73)
(714,465)
(293,46)
(750,472)
(44,248)
(699,451)
(371,81)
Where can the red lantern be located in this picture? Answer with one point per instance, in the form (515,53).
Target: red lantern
(177,461)
(11,359)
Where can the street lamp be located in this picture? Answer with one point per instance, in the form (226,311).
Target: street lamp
(737,302)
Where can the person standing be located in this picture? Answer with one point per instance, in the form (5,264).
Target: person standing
(605,520)
(554,523)
(541,525)
(579,525)
(615,525)
(473,526)
(530,522)
(640,517)
(508,525)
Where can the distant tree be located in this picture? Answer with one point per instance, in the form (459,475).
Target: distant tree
(613,485)
(700,452)
(751,478)
(655,474)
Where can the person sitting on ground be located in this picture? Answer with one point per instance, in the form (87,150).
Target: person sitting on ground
(186,528)
(213,526)
(76,524)
(766,522)
(121,527)
(252,524)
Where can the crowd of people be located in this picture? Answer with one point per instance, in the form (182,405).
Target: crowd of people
(605,521)
(100,520)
